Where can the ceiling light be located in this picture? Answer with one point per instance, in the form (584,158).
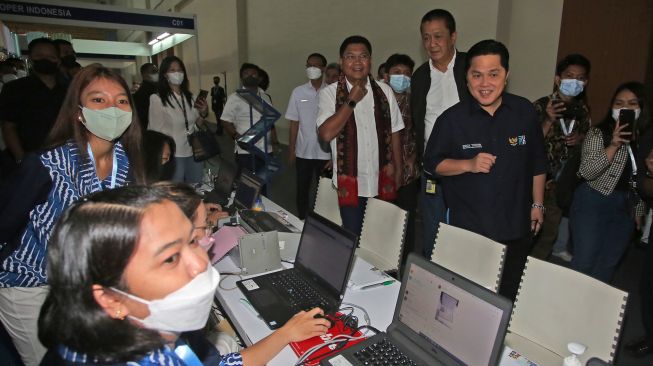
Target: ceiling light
(163,35)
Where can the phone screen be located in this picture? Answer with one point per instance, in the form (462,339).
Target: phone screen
(627,116)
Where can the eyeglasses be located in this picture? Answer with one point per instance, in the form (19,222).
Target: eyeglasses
(351,57)
(207,229)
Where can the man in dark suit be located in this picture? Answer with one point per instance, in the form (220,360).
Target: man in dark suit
(149,86)
(436,85)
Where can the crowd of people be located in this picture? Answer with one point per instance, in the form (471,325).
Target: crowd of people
(86,171)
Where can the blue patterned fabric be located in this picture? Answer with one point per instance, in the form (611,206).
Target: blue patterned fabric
(162,357)
(72,177)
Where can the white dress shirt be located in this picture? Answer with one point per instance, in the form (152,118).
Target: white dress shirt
(302,107)
(169,119)
(442,94)
(237,112)
(366,138)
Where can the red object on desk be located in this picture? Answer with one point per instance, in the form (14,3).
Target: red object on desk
(338,328)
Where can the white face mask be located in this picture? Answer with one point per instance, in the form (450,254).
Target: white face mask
(21,73)
(313,72)
(107,124)
(155,77)
(183,310)
(175,78)
(615,113)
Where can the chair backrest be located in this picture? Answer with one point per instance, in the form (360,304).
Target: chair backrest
(382,235)
(470,255)
(326,201)
(557,305)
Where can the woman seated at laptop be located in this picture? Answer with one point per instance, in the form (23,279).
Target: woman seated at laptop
(128,282)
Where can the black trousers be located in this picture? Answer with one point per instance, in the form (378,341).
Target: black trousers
(513,267)
(308,170)
(407,200)
(646,292)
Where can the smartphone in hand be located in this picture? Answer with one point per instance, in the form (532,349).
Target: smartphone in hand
(202,94)
(627,119)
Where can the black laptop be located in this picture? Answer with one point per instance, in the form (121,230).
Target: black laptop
(441,318)
(319,279)
(248,189)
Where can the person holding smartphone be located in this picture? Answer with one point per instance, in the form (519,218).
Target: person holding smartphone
(174,112)
(606,208)
(565,119)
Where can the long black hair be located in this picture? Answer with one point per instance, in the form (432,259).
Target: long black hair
(643,122)
(92,243)
(164,87)
(153,143)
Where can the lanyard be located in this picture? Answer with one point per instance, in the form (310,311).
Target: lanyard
(114,168)
(187,355)
(182,105)
(632,161)
(566,131)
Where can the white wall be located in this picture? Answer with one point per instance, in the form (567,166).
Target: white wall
(278,35)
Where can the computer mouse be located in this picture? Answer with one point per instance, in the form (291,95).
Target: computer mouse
(318,315)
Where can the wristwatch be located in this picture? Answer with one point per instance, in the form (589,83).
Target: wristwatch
(351,103)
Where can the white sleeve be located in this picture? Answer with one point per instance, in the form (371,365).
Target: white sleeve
(397,121)
(326,106)
(292,113)
(229,112)
(156,115)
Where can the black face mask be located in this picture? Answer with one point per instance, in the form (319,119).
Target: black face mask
(251,81)
(68,60)
(44,66)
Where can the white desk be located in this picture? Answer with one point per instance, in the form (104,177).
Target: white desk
(379,302)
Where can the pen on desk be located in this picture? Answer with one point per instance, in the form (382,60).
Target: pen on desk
(386,283)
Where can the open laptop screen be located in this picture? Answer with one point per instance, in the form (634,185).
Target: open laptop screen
(450,318)
(247,190)
(326,251)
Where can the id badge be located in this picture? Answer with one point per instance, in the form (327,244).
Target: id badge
(431,186)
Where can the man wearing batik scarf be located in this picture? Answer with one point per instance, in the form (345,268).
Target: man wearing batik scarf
(361,119)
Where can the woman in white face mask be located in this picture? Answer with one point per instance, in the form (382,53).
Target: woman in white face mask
(128,284)
(606,208)
(174,112)
(93,145)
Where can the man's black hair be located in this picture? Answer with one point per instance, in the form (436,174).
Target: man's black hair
(573,59)
(488,47)
(440,14)
(320,56)
(145,66)
(248,66)
(382,67)
(355,40)
(399,59)
(42,40)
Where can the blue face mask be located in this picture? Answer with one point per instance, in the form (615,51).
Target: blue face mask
(399,83)
(571,87)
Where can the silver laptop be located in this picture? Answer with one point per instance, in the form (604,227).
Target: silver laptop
(441,318)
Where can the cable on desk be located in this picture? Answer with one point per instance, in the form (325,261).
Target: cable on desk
(366,315)
(340,338)
(224,275)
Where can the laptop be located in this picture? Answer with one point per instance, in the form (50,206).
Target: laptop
(259,221)
(319,279)
(441,318)
(223,184)
(248,189)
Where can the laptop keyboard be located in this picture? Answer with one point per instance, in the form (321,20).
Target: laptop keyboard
(382,352)
(300,294)
(262,221)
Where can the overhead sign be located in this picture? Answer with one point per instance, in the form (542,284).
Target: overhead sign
(96,13)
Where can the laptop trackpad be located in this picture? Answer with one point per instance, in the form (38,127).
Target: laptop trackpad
(264,297)
(271,308)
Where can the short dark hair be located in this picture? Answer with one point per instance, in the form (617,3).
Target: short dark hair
(145,66)
(61,42)
(382,67)
(573,59)
(183,195)
(264,82)
(488,47)
(440,14)
(92,243)
(355,40)
(399,59)
(248,66)
(41,41)
(318,55)
(153,142)
(333,65)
